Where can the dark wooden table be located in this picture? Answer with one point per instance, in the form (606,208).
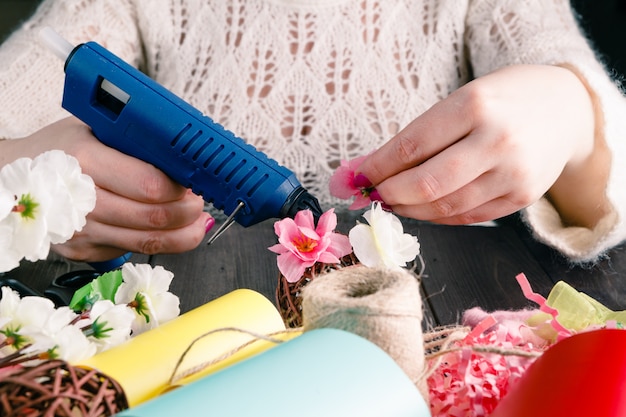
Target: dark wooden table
(466,266)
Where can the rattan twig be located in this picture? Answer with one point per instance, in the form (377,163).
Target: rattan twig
(289,294)
(55,388)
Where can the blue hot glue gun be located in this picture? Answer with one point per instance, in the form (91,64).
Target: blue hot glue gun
(132,113)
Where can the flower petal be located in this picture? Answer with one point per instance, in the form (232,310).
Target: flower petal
(364,245)
(278,248)
(383,242)
(291,267)
(328,258)
(304,219)
(360,202)
(327,223)
(74,193)
(339,245)
(341,183)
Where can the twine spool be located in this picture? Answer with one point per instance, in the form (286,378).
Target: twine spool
(381,305)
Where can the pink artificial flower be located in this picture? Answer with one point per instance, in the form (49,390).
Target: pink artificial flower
(301,244)
(345,184)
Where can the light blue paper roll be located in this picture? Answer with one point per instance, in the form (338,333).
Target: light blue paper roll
(323,372)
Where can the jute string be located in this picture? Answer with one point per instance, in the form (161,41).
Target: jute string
(381,305)
(178,374)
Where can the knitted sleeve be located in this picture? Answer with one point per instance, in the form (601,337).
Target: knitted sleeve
(31,77)
(505,32)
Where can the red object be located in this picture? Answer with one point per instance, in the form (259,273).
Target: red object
(582,375)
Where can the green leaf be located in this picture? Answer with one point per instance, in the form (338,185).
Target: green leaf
(81,298)
(102,288)
(107,284)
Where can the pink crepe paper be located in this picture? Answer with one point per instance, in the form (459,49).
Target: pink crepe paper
(561,331)
(470,381)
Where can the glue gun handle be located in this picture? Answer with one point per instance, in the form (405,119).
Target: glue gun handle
(110,265)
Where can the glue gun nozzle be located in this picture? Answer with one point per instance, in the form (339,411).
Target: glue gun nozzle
(299,200)
(224,226)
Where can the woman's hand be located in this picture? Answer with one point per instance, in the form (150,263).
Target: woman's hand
(496,145)
(138,208)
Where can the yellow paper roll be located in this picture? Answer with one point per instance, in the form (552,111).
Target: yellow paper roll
(143,365)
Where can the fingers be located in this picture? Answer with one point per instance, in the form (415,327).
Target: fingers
(86,251)
(494,209)
(110,169)
(119,223)
(154,241)
(138,207)
(128,176)
(455,187)
(115,210)
(423,138)
(446,172)
(485,151)
(101,242)
(486,198)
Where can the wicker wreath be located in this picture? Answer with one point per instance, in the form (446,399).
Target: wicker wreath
(55,388)
(289,294)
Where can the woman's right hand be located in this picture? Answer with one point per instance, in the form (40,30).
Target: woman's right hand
(138,207)
(497,145)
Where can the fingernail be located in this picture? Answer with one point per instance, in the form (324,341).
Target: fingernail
(361,181)
(375,196)
(210,222)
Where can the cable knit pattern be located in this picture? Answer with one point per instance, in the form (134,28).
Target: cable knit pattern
(311,82)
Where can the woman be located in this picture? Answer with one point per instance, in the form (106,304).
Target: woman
(484,108)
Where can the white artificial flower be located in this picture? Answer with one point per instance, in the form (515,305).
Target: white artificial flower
(42,328)
(60,337)
(28,312)
(27,221)
(7,202)
(146,290)
(382,242)
(42,201)
(8,304)
(74,194)
(26,317)
(111,324)
(71,345)
(53,323)
(60,317)
(9,257)
(68,343)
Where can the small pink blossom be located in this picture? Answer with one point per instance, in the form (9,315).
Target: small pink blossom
(346,184)
(302,244)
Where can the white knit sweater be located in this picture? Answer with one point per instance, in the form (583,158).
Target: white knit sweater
(311,82)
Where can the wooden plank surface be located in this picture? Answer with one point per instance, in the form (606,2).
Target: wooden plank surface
(476,266)
(605,280)
(466,266)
